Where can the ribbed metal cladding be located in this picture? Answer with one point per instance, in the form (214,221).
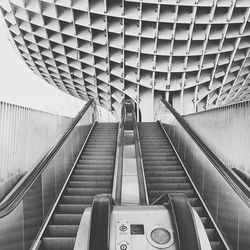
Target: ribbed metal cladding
(25,135)
(225,131)
(195,52)
(19,226)
(228,205)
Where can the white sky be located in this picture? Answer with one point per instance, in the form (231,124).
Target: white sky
(19,85)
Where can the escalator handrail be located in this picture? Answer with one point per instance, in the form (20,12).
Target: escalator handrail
(117,180)
(234,181)
(140,168)
(184,222)
(19,191)
(244,176)
(100,222)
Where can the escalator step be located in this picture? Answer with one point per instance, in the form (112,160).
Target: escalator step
(96,153)
(94,166)
(206,222)
(89,150)
(158,145)
(95,171)
(161,163)
(104,144)
(92,175)
(97,157)
(153,139)
(71,208)
(85,177)
(169,173)
(211,234)
(169,186)
(156,150)
(162,168)
(194,202)
(158,154)
(96,162)
(200,211)
(160,158)
(77,199)
(165,179)
(216,245)
(86,191)
(154,194)
(62,231)
(66,219)
(58,243)
(90,184)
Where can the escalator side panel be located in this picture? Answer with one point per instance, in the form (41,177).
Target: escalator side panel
(93,175)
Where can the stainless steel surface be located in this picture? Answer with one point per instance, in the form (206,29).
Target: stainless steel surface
(139,162)
(19,233)
(83,233)
(126,185)
(26,134)
(32,212)
(121,236)
(117,179)
(203,238)
(226,131)
(200,197)
(130,185)
(167,174)
(134,228)
(230,212)
(12,230)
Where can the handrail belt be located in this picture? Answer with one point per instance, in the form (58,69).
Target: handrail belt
(240,188)
(100,222)
(183,222)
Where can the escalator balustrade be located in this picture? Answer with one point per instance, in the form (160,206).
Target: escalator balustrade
(165,174)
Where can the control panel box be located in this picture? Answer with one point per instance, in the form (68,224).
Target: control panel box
(141,227)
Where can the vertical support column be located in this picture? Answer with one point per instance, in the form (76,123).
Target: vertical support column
(146,104)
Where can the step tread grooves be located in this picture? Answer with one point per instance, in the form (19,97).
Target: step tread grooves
(93,175)
(164,173)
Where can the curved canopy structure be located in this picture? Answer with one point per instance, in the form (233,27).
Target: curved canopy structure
(195,53)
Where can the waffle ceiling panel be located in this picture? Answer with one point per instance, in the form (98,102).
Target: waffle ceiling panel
(195,53)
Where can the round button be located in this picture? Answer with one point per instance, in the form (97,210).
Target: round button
(123,247)
(123,228)
(160,236)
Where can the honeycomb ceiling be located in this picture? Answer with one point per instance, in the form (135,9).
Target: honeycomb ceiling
(193,52)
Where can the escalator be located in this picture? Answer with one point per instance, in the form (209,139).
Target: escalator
(165,174)
(65,205)
(92,175)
